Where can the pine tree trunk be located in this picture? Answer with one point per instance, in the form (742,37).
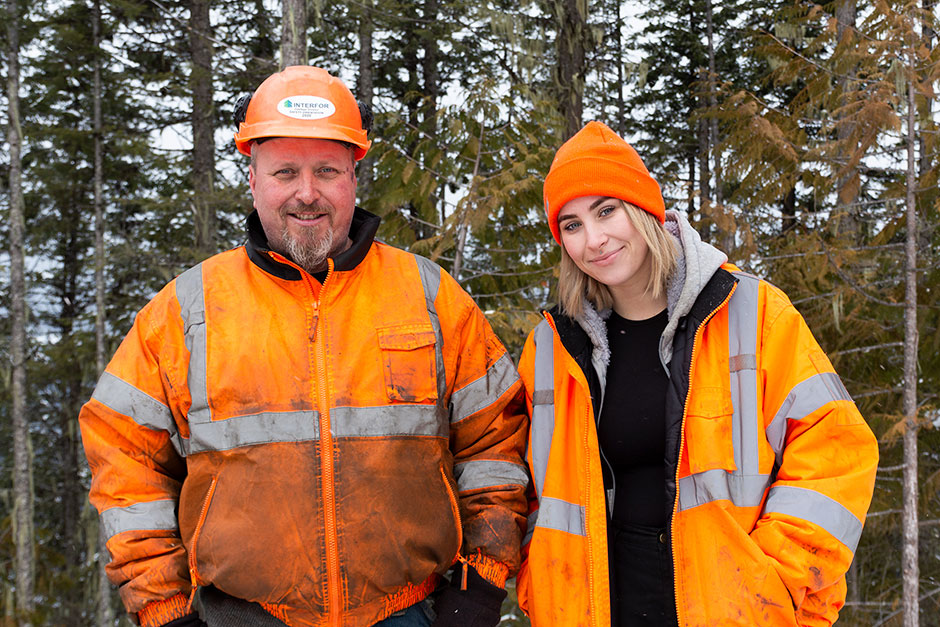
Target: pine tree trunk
(571,17)
(910,569)
(365,87)
(431,78)
(293,33)
(200,81)
(847,223)
(103,613)
(621,106)
(22,462)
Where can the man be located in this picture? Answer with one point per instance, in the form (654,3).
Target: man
(310,429)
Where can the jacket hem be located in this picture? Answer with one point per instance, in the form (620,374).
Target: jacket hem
(409,595)
(493,571)
(162,612)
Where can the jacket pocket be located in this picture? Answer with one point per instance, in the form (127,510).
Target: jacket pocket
(709,430)
(409,362)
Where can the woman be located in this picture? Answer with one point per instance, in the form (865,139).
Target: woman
(695,458)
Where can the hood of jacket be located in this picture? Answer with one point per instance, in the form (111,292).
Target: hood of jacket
(697,261)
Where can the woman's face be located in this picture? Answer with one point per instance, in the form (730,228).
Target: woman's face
(602,241)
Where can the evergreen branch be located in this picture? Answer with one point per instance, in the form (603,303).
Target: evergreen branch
(865,349)
(819,252)
(817,65)
(887,619)
(222,44)
(892,468)
(507,293)
(522,273)
(891,390)
(848,281)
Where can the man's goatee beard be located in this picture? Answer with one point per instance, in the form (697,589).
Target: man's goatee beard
(310,256)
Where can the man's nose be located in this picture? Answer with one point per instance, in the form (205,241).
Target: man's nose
(308,188)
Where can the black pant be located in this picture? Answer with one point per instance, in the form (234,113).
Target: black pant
(641,582)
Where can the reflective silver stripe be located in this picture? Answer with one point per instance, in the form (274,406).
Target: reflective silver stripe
(485,391)
(139,516)
(805,398)
(419,420)
(124,398)
(476,475)
(430,274)
(818,509)
(264,428)
(742,350)
(192,300)
(302,426)
(543,414)
(743,362)
(721,485)
(530,527)
(561,516)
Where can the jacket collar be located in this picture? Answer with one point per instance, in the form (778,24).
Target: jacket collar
(361,232)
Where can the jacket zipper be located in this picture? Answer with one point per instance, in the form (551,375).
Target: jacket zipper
(685,411)
(334,588)
(455,508)
(192,552)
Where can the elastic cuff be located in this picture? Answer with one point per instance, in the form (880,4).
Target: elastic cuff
(490,569)
(161,612)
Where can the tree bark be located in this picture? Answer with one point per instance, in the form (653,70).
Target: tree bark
(293,33)
(22,462)
(431,78)
(571,17)
(846,223)
(103,613)
(200,81)
(618,55)
(910,569)
(365,87)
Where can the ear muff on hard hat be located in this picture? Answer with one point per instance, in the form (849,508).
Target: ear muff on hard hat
(303,101)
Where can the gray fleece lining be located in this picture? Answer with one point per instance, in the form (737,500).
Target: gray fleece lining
(697,263)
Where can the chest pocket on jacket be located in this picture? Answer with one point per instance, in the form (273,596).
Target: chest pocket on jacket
(709,430)
(409,362)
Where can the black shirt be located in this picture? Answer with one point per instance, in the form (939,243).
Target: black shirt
(632,426)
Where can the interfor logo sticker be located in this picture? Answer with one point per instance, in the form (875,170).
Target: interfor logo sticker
(306,107)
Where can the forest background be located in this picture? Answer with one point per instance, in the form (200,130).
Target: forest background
(799,137)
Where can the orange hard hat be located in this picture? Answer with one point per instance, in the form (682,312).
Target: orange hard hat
(302,101)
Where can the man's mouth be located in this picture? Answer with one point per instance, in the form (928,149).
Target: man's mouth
(308,217)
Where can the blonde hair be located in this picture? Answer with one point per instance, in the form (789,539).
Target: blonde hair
(574,285)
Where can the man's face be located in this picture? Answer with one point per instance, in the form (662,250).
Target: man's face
(305,194)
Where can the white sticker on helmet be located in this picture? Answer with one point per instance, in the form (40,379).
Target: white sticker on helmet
(306,107)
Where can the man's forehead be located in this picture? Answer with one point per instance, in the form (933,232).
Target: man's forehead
(301,148)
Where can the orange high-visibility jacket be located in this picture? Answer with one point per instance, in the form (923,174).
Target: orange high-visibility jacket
(773,465)
(326,451)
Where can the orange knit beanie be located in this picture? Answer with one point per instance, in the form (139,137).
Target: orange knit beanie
(597,162)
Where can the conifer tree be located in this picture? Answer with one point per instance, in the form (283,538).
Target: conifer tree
(23,523)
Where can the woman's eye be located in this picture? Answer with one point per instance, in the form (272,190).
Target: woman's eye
(571,226)
(605,210)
